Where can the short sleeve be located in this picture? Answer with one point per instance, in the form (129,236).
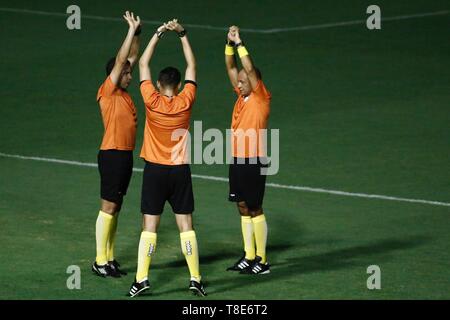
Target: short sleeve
(261,90)
(148,92)
(106,89)
(188,93)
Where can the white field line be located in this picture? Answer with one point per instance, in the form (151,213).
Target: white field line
(248,30)
(272,185)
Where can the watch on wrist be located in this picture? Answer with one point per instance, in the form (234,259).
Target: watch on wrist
(230,43)
(159,34)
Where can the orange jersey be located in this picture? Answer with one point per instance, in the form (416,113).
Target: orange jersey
(167,124)
(250,114)
(119,117)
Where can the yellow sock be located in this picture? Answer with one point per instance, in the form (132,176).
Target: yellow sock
(147,247)
(248,236)
(102,231)
(190,250)
(260,227)
(112,238)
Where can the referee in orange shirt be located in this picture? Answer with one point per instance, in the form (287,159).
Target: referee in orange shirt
(246,181)
(167,175)
(115,158)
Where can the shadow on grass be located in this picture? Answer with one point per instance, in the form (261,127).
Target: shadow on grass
(204,261)
(208,259)
(296,265)
(328,261)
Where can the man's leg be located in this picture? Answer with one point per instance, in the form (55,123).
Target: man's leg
(147,245)
(260,228)
(259,265)
(248,234)
(237,184)
(189,248)
(189,244)
(115,168)
(113,263)
(153,198)
(103,228)
(253,186)
(112,235)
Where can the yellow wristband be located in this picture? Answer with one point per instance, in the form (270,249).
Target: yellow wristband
(242,51)
(229,50)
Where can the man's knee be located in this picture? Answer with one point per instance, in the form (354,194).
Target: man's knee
(255,210)
(184,222)
(150,222)
(110,207)
(243,209)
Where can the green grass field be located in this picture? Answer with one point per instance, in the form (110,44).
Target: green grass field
(358,111)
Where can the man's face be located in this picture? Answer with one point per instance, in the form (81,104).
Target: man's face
(125,77)
(244,84)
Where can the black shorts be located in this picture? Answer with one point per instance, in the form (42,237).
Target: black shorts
(246,182)
(115,167)
(164,182)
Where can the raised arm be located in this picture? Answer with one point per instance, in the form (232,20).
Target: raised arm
(124,51)
(144,61)
(187,50)
(230,59)
(246,61)
(134,51)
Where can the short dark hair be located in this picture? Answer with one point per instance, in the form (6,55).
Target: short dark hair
(169,77)
(110,65)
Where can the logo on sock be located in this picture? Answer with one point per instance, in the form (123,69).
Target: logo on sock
(188,248)
(151,249)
